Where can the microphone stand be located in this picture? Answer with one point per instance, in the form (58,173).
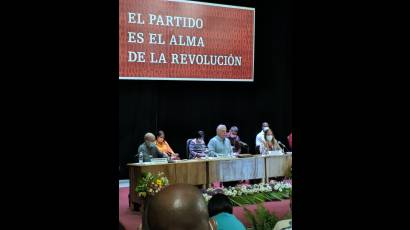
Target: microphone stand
(243,144)
(247,148)
(284,147)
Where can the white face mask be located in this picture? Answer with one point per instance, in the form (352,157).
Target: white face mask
(265,128)
(269,137)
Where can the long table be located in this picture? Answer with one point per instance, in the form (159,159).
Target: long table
(203,172)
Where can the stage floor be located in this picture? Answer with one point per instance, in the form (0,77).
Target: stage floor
(131,220)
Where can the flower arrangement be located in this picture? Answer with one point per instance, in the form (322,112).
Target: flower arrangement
(281,186)
(150,184)
(251,194)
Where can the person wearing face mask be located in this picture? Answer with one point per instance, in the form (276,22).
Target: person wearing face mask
(270,143)
(233,137)
(260,140)
(148,148)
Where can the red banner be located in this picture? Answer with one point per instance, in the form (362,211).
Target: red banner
(183,40)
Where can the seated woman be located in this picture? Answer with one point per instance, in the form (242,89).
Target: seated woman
(220,214)
(271,144)
(164,147)
(197,147)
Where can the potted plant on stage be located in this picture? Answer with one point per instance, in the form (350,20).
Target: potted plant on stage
(149,185)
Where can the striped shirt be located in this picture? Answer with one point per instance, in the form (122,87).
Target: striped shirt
(197,148)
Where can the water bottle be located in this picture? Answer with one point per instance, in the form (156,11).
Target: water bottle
(140,157)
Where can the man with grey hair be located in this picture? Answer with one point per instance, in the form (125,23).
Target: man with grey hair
(148,148)
(220,145)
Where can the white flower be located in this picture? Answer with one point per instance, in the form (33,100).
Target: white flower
(207,197)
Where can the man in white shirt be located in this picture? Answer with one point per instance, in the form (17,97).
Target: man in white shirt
(260,140)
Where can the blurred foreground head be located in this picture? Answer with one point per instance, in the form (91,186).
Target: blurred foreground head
(178,207)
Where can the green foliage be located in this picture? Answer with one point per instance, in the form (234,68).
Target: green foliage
(261,219)
(259,197)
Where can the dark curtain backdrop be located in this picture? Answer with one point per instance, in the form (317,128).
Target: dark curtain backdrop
(181,108)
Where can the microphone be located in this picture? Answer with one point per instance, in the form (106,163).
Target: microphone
(244,145)
(284,146)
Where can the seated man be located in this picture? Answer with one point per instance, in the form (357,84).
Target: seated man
(149,149)
(220,213)
(197,147)
(233,137)
(220,145)
(178,206)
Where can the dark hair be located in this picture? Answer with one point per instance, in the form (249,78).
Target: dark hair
(234,129)
(200,134)
(219,203)
(160,133)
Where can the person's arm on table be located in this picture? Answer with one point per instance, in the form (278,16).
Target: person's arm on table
(169,149)
(159,154)
(193,153)
(211,148)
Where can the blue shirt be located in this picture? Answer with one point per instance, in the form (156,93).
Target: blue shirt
(226,221)
(219,146)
